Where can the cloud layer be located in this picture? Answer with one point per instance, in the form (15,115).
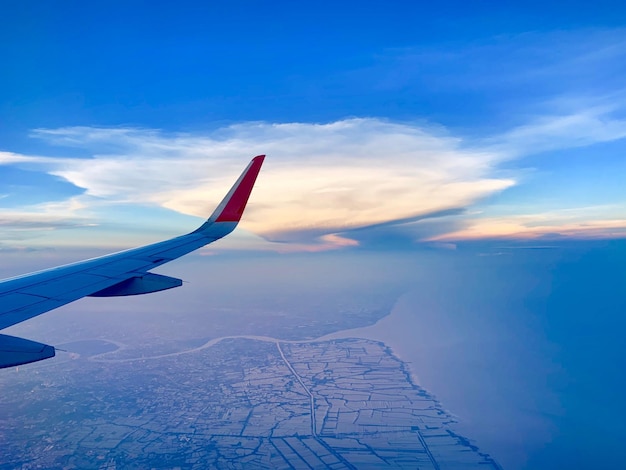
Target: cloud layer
(320,181)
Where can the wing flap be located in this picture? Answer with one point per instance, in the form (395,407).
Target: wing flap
(15,316)
(142,284)
(51,289)
(124,265)
(17,300)
(17,307)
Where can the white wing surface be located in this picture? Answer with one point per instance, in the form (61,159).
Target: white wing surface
(123,273)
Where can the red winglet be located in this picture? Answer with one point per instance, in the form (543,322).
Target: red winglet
(231,208)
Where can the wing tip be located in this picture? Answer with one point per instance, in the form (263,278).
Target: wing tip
(235,202)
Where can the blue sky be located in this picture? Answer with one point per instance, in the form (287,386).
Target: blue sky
(509,117)
(489,128)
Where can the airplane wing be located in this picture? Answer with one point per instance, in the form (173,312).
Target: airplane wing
(117,274)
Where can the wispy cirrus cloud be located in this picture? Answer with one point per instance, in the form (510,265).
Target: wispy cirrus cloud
(541,63)
(579,128)
(20,224)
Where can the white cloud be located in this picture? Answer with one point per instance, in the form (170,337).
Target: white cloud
(318,178)
(599,222)
(576,129)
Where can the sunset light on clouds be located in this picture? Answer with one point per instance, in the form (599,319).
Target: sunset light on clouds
(321,179)
(449,174)
(482,152)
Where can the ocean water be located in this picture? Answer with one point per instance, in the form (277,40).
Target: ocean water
(524,346)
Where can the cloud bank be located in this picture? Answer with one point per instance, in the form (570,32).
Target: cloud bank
(320,181)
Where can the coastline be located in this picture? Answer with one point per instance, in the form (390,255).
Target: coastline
(418,349)
(405,333)
(379,331)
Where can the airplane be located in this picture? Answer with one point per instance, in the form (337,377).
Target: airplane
(118,274)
